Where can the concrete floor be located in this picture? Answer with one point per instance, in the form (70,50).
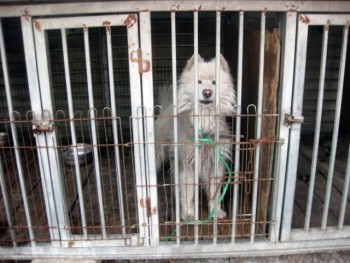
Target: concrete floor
(326,257)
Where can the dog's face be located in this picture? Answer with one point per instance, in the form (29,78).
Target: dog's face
(208,87)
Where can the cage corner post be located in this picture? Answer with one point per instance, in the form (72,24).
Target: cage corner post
(147,92)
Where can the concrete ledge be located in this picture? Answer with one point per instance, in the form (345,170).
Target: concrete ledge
(50,260)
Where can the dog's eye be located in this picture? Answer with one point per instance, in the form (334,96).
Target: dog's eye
(213,82)
(199,81)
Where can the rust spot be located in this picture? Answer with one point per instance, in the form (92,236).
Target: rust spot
(37,25)
(305,19)
(146,203)
(154,210)
(25,12)
(85,28)
(146,66)
(174,7)
(347,25)
(263,140)
(107,24)
(198,9)
(328,24)
(221,8)
(70,243)
(292,8)
(134,57)
(130,20)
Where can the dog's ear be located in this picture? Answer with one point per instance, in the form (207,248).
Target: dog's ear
(224,64)
(190,62)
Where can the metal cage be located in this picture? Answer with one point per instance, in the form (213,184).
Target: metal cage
(78,141)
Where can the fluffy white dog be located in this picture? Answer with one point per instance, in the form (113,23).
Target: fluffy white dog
(207,120)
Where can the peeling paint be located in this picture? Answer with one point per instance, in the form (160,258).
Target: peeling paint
(37,25)
(198,9)
(328,24)
(71,243)
(305,19)
(174,7)
(292,8)
(221,8)
(144,10)
(107,24)
(85,28)
(144,65)
(130,20)
(25,12)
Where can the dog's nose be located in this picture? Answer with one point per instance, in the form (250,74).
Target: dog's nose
(207,93)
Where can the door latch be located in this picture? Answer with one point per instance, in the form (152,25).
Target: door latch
(290,119)
(42,123)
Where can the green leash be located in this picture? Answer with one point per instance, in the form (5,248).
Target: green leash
(211,215)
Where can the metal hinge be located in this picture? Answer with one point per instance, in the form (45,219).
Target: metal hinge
(291,119)
(146,203)
(144,65)
(42,123)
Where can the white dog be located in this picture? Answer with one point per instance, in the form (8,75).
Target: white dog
(207,120)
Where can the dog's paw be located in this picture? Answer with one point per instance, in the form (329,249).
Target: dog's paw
(220,214)
(187,216)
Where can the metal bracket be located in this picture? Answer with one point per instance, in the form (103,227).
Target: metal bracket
(290,119)
(42,123)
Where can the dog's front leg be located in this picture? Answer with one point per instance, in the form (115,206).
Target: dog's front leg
(215,193)
(186,192)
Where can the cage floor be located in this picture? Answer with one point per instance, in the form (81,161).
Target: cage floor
(166,208)
(303,180)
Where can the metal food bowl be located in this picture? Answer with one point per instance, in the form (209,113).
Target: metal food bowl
(84,151)
(4,140)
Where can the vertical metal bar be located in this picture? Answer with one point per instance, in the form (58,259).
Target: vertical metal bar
(72,130)
(15,137)
(147,93)
(114,127)
(217,119)
(259,120)
(238,124)
(137,129)
(344,200)
(294,140)
(52,175)
(340,86)
(196,126)
(93,132)
(176,149)
(317,128)
(7,205)
(288,37)
(36,104)
(335,127)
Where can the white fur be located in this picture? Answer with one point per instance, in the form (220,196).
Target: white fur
(207,127)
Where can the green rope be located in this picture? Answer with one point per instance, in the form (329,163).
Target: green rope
(211,215)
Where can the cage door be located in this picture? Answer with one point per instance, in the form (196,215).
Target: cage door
(308,195)
(101,123)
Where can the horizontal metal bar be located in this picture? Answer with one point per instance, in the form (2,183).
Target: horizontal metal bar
(80,22)
(313,20)
(133,6)
(315,234)
(187,250)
